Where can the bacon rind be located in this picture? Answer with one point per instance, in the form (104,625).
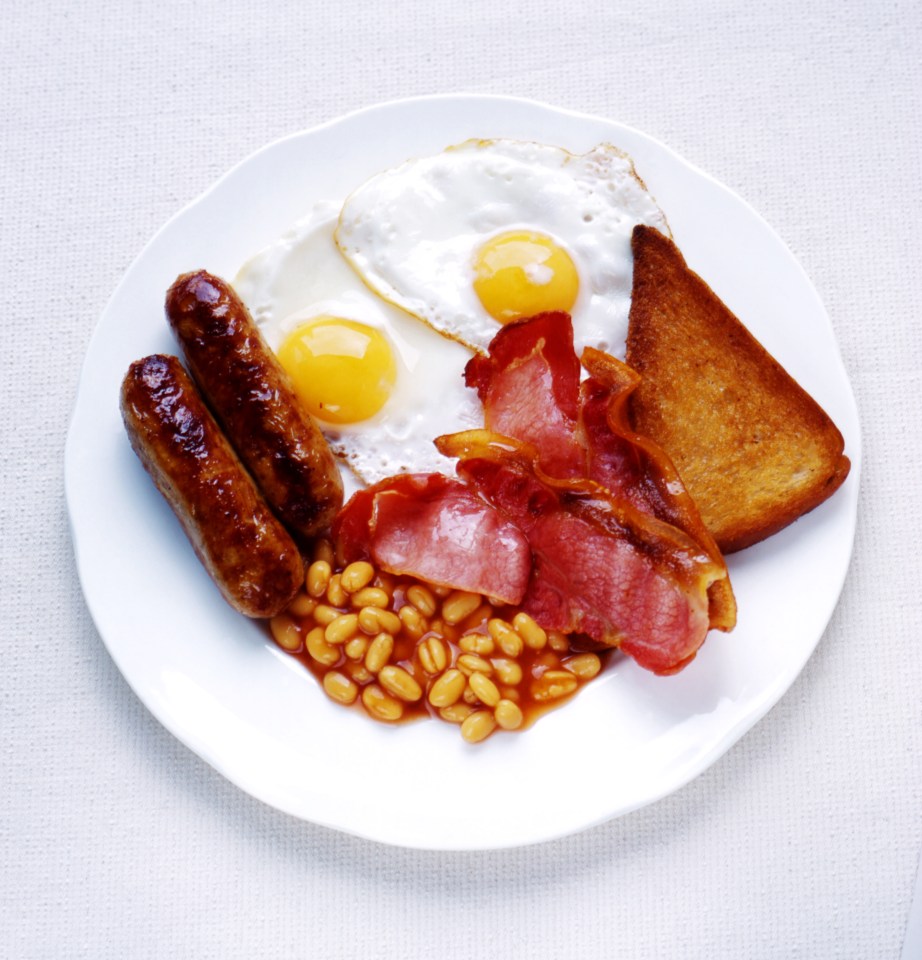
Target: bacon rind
(437,529)
(601,566)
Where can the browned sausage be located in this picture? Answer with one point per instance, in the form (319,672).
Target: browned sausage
(241,543)
(253,400)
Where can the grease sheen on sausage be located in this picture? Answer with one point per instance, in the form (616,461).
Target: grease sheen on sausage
(241,543)
(255,403)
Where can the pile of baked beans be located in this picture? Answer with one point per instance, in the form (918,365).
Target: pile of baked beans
(403,648)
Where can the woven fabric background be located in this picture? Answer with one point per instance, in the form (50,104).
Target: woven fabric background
(118,842)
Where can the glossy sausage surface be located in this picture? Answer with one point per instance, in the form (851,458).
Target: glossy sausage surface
(253,399)
(241,543)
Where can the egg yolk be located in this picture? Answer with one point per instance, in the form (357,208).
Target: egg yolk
(343,371)
(521,274)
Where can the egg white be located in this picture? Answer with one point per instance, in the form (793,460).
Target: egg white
(413,232)
(302,276)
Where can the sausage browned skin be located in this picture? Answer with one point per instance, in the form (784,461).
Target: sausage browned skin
(241,543)
(252,398)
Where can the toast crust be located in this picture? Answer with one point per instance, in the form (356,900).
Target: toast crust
(753,448)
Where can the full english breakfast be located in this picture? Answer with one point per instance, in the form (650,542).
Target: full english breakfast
(550,429)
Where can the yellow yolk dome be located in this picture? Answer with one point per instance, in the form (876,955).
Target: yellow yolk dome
(521,274)
(342,371)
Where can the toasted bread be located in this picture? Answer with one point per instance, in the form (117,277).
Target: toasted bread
(753,448)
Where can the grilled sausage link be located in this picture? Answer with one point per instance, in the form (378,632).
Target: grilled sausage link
(253,400)
(241,543)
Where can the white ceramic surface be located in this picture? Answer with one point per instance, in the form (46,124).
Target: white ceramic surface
(212,678)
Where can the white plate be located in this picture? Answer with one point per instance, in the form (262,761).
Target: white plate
(253,713)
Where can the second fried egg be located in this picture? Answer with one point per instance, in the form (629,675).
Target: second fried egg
(490,231)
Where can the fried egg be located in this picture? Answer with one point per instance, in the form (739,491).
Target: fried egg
(493,230)
(381,384)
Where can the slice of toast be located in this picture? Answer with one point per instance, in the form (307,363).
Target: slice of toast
(754,449)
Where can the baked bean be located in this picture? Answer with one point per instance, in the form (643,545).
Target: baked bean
(343,628)
(325,614)
(447,689)
(558,641)
(534,636)
(469,663)
(335,593)
(340,687)
(318,578)
(485,689)
(508,715)
(480,643)
(302,606)
(433,656)
(456,713)
(381,705)
(285,632)
(356,648)
(478,726)
(511,644)
(459,604)
(379,652)
(507,671)
(506,638)
(356,576)
(553,684)
(584,665)
(323,652)
(371,597)
(401,684)
(414,623)
(423,599)
(374,620)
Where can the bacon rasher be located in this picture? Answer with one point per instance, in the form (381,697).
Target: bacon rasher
(600,566)
(437,529)
(530,387)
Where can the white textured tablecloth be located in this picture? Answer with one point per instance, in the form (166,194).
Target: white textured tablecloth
(117,841)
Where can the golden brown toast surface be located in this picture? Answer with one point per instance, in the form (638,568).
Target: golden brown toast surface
(754,449)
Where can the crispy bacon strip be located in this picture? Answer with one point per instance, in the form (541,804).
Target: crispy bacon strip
(530,388)
(601,567)
(438,529)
